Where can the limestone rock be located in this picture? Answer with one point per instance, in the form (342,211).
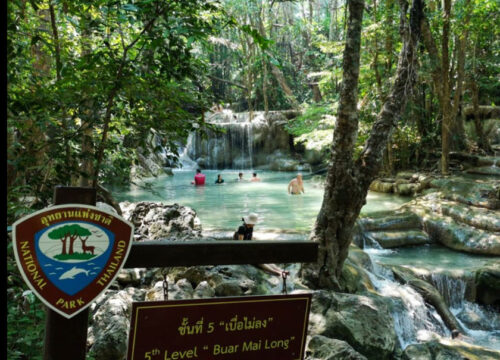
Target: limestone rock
(203,290)
(323,348)
(364,321)
(110,325)
(392,239)
(228,288)
(154,220)
(488,285)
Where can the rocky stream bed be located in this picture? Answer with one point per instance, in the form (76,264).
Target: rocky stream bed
(384,311)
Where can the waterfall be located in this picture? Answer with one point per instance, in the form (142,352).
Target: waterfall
(238,143)
(250,144)
(184,157)
(452,290)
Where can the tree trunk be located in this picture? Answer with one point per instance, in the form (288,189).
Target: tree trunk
(88,121)
(482,141)
(347,181)
(445,104)
(332,31)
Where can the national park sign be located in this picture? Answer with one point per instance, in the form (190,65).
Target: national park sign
(69,254)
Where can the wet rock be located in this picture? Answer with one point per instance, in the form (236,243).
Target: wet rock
(154,220)
(406,189)
(488,285)
(108,334)
(324,348)
(364,321)
(448,350)
(392,239)
(353,278)
(243,143)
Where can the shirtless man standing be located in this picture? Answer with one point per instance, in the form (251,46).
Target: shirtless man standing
(296,186)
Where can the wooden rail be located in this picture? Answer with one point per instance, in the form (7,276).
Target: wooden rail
(219,252)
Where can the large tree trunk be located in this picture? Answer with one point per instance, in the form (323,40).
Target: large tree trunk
(347,181)
(445,104)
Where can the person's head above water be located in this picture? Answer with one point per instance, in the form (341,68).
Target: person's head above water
(240,175)
(254,174)
(219,176)
(251,219)
(198,171)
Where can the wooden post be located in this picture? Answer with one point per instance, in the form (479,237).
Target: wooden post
(67,338)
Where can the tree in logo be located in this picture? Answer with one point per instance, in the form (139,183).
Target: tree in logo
(71,233)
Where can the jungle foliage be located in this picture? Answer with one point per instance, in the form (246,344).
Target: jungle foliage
(89,82)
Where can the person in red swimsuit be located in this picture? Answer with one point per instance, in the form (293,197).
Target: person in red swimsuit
(199,178)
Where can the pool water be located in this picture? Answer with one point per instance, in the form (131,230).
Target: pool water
(220,207)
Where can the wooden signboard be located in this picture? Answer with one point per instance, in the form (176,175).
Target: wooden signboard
(243,328)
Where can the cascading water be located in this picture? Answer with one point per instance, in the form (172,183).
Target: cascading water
(240,143)
(413,319)
(451,289)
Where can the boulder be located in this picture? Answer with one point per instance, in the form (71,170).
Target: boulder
(468,191)
(203,290)
(155,220)
(488,285)
(108,335)
(364,321)
(324,348)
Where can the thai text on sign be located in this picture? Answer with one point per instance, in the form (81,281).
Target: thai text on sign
(243,328)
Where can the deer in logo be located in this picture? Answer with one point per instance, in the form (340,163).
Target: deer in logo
(86,248)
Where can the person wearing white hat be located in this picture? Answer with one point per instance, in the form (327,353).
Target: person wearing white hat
(245,232)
